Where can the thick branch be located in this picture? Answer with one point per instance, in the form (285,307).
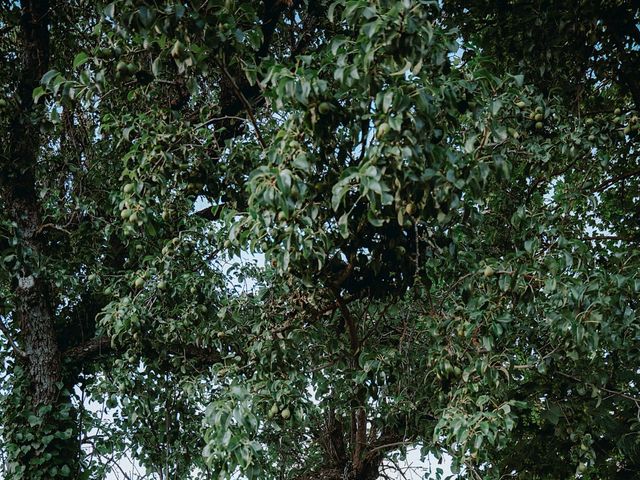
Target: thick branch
(607,183)
(89,350)
(96,347)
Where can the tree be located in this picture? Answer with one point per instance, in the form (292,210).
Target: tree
(448,217)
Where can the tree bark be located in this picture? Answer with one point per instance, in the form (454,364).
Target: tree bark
(38,405)
(34,309)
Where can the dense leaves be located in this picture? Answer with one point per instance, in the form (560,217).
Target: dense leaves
(290,239)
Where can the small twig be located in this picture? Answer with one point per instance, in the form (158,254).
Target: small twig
(636,400)
(389,445)
(607,183)
(453,287)
(472,469)
(21,353)
(54,226)
(351,326)
(398,468)
(217,119)
(322,367)
(609,237)
(127,477)
(246,104)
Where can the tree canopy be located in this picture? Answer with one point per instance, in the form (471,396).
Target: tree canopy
(293,239)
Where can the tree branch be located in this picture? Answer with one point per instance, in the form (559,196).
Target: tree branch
(5,330)
(94,348)
(245,102)
(89,350)
(635,400)
(607,183)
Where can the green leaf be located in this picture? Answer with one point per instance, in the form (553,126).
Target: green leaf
(38,92)
(47,77)
(331,10)
(109,10)
(387,100)
(336,43)
(343,225)
(496,105)
(80,59)
(156,66)
(371,28)
(528,245)
(373,220)
(469,144)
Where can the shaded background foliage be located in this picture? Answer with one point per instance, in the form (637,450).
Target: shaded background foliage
(445,196)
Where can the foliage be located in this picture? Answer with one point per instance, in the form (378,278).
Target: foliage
(448,219)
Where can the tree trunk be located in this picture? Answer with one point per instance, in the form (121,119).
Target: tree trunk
(34,309)
(39,422)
